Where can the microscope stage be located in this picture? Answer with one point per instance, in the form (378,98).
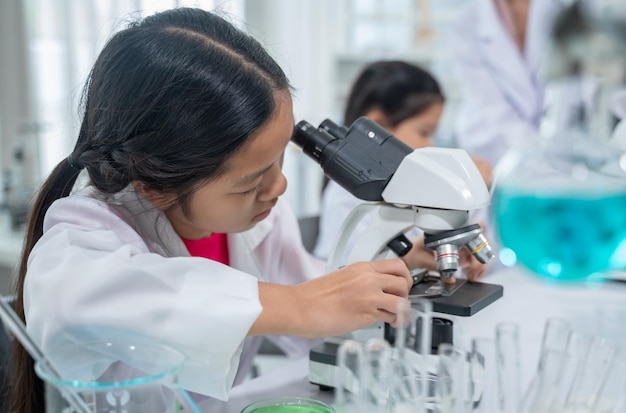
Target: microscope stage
(467,300)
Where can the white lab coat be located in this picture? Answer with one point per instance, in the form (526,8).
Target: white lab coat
(502,96)
(118,264)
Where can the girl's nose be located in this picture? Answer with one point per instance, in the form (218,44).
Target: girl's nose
(275,185)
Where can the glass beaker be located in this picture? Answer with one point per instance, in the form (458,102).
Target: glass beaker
(288,405)
(415,393)
(121,376)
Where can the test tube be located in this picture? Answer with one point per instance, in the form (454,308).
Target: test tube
(376,374)
(454,379)
(508,366)
(595,370)
(349,371)
(542,391)
(578,346)
(552,356)
(484,375)
(555,336)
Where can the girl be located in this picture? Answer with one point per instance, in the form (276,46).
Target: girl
(180,235)
(408,102)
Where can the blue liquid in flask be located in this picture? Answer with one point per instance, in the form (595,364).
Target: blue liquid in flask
(563,236)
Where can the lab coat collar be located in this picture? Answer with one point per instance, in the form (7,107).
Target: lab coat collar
(502,54)
(150,222)
(257,234)
(241,244)
(157,231)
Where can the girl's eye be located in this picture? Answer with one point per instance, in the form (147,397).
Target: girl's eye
(251,191)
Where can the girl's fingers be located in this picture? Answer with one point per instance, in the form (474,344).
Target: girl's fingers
(395,267)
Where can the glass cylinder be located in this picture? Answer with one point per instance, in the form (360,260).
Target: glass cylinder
(350,368)
(592,375)
(485,386)
(376,373)
(508,366)
(415,393)
(578,346)
(542,392)
(454,379)
(552,357)
(556,334)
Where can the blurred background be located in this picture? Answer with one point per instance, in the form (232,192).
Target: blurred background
(48,46)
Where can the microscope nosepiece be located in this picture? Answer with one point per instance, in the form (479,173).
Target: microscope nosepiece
(446,246)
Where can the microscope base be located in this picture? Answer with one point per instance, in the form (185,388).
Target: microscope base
(466,301)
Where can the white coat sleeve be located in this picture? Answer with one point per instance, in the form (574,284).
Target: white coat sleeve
(92,272)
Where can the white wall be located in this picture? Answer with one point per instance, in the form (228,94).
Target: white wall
(309,39)
(301,36)
(15,93)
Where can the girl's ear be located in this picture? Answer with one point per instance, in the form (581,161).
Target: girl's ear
(158,199)
(378,116)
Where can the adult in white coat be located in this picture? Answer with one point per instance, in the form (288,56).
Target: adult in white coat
(498,47)
(186,122)
(407,101)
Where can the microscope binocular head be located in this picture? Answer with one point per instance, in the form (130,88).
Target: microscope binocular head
(446,245)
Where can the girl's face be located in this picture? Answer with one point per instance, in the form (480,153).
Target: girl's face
(250,187)
(416,131)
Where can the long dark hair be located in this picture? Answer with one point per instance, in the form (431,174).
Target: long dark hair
(168,101)
(399,89)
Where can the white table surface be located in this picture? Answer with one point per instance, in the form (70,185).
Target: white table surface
(598,309)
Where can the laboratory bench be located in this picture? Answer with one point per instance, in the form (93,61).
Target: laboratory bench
(594,308)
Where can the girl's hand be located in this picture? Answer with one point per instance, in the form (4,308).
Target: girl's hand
(344,300)
(484,168)
(474,270)
(420,257)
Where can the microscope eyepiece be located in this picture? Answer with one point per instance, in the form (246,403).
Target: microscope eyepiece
(333,129)
(362,158)
(311,139)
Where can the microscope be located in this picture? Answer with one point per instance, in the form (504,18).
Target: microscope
(433,189)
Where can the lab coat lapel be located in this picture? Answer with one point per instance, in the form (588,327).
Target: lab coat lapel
(150,222)
(242,247)
(540,20)
(501,53)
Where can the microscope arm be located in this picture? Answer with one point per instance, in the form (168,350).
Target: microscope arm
(387,222)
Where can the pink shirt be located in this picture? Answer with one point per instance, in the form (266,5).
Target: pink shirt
(214,247)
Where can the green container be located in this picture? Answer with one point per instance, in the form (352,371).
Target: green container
(288,405)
